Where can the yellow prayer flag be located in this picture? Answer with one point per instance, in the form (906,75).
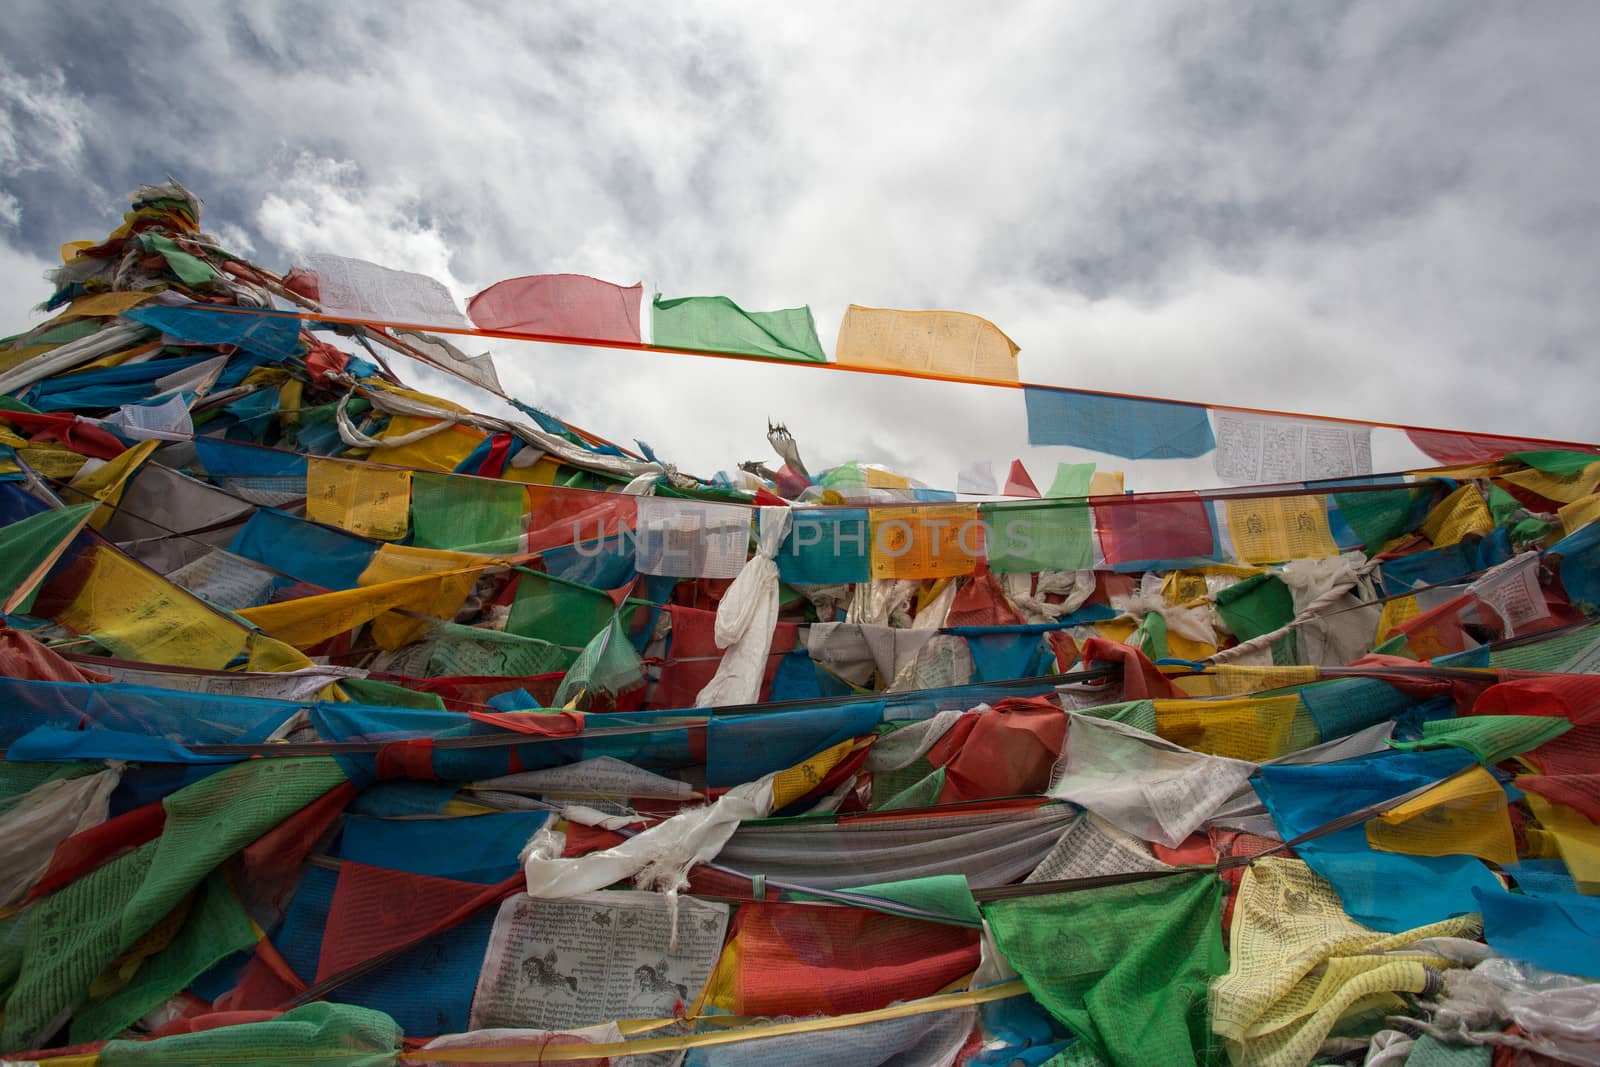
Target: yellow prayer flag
(543,472)
(442,451)
(395,562)
(363,498)
(268,655)
(1395,612)
(936,541)
(1576,837)
(1461,513)
(1229,680)
(1564,490)
(106,482)
(50,460)
(70,250)
(139,615)
(1464,816)
(113,303)
(1105,483)
(1579,513)
(882,479)
(940,342)
(1275,529)
(313,619)
(1246,728)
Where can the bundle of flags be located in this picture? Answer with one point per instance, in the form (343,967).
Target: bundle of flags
(346,725)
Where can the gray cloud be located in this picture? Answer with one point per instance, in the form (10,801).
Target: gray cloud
(1365,209)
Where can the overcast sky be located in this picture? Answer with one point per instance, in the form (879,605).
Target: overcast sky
(1380,210)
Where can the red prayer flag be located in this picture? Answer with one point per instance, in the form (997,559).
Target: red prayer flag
(559,305)
(1442,446)
(1173,526)
(1018,483)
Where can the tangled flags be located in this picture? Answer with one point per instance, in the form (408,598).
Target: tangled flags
(345,725)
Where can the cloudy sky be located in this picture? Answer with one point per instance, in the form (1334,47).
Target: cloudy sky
(1382,210)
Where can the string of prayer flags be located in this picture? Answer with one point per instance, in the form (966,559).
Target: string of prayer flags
(1131,427)
(939,342)
(365,499)
(1256,449)
(560,305)
(356,289)
(717,324)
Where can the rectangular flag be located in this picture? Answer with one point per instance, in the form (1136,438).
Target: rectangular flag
(717,324)
(560,305)
(944,342)
(1126,426)
(356,289)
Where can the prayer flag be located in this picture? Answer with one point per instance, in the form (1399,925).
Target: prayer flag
(942,342)
(560,305)
(717,324)
(1127,426)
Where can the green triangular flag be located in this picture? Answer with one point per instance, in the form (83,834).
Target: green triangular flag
(29,546)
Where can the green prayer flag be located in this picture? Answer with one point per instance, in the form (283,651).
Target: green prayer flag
(1503,507)
(1125,967)
(1258,605)
(1549,654)
(1381,515)
(1139,714)
(717,324)
(329,1035)
(563,613)
(465,514)
(383,694)
(29,543)
(1152,635)
(1072,480)
(608,663)
(74,933)
(943,894)
(1490,738)
(922,793)
(19,777)
(1037,537)
(216,927)
(1557,462)
(191,270)
(1429,1051)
